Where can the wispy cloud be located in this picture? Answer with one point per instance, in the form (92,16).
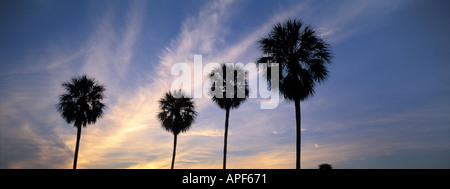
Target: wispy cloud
(111,48)
(346,19)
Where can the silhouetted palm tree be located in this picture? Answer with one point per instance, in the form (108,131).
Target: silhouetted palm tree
(177,115)
(302,56)
(81,105)
(237,93)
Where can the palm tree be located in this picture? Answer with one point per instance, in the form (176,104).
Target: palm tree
(81,105)
(228,98)
(177,115)
(302,56)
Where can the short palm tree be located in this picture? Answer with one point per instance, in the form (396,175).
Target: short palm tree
(81,105)
(229,89)
(302,56)
(176,115)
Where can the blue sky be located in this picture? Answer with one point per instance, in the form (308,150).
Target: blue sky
(384,105)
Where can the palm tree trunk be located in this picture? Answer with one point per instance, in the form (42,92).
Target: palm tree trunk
(75,158)
(298,131)
(174,149)
(227,115)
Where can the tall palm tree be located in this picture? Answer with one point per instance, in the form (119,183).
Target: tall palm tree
(81,105)
(302,56)
(228,98)
(176,115)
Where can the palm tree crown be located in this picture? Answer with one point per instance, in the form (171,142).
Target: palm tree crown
(177,114)
(82,104)
(238,90)
(302,56)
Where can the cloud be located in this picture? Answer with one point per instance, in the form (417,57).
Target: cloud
(282,157)
(110,50)
(349,17)
(23,146)
(28,139)
(206,132)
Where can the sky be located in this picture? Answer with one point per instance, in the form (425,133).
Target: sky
(385,103)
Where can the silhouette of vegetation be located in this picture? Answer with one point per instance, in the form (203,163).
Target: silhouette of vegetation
(302,56)
(81,105)
(176,115)
(325,166)
(237,93)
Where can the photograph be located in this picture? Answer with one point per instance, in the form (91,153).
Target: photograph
(225,92)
